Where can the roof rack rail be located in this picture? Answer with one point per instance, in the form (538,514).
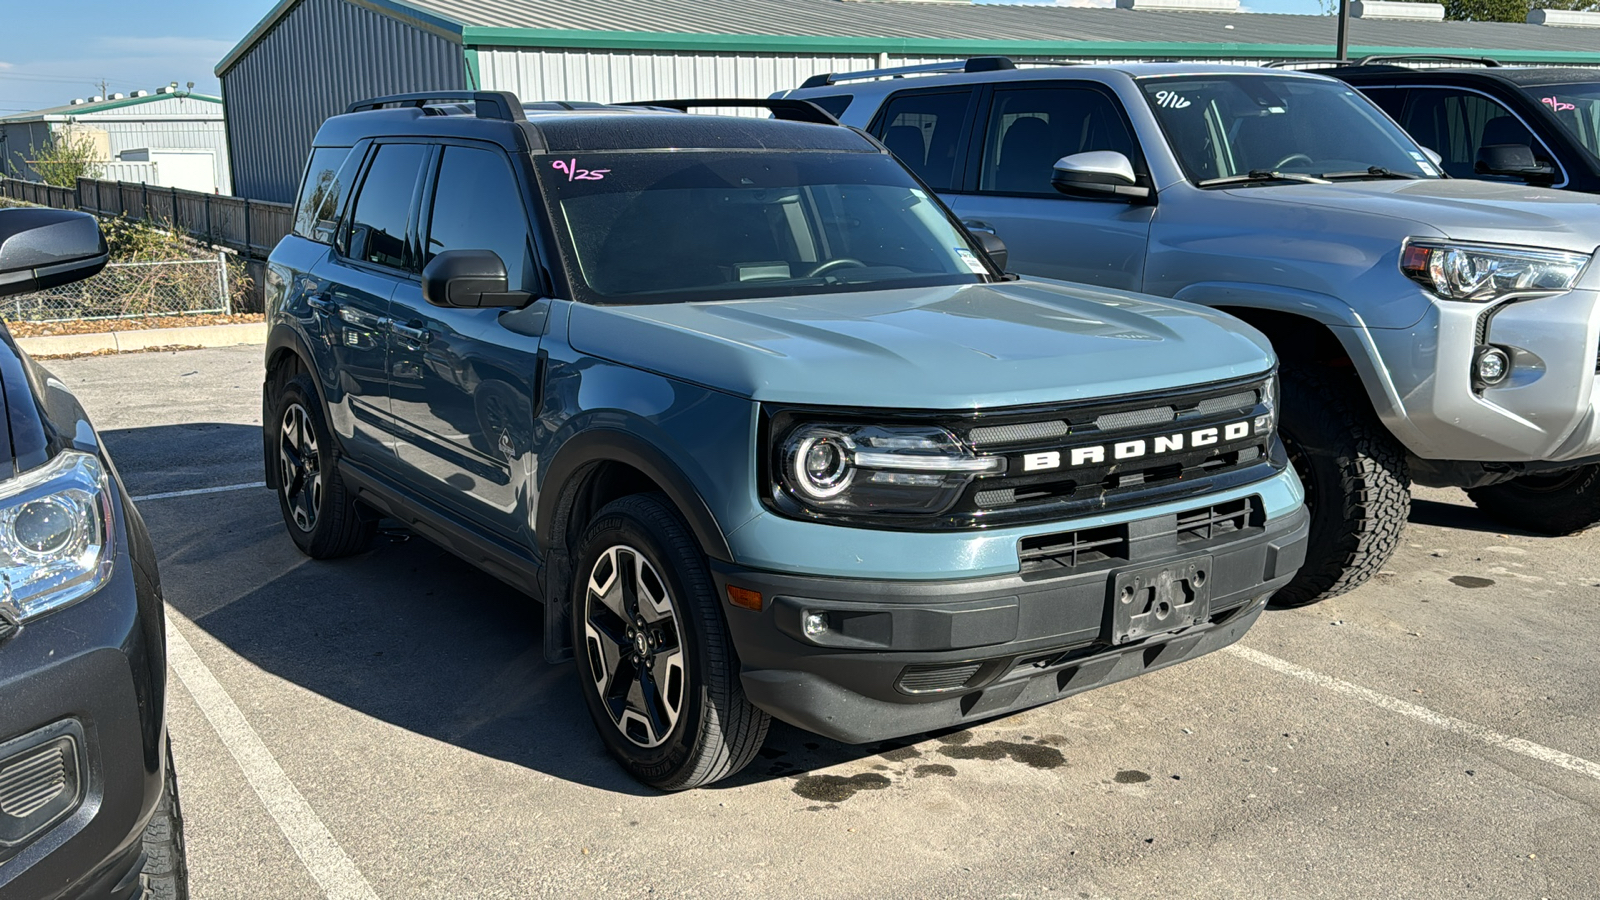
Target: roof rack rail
(1480,60)
(789,110)
(975,64)
(1324,61)
(502,105)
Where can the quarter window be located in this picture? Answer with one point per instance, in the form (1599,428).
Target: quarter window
(923,130)
(383,208)
(1030,129)
(477,206)
(317,210)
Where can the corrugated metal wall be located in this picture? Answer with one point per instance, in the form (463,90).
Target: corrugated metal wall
(17,141)
(157,134)
(323,55)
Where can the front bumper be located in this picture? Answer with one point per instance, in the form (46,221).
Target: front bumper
(905,657)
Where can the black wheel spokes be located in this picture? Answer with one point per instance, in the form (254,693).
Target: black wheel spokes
(299,465)
(634,649)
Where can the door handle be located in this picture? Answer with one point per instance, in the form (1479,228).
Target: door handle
(977,225)
(417,335)
(322,304)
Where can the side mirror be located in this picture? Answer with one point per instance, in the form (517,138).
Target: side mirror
(1433,155)
(469,279)
(43,248)
(1103,174)
(993,247)
(1515,160)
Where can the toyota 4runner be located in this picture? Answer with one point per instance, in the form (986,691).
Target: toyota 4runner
(766,430)
(1431,330)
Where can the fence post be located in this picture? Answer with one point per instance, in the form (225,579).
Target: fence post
(248,247)
(210,236)
(222,280)
(175,217)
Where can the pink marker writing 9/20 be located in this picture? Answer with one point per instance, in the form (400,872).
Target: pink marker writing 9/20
(570,167)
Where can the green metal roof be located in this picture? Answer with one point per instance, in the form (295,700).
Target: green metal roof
(82,109)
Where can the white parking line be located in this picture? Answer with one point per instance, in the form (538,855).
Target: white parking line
(312,842)
(1423,714)
(193,491)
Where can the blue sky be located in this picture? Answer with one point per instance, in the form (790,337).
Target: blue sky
(54,50)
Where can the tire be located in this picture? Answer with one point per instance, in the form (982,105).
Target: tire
(320,514)
(1554,504)
(166,866)
(1357,486)
(677,719)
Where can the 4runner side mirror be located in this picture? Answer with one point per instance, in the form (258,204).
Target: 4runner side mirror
(993,247)
(43,248)
(469,279)
(1515,160)
(1105,174)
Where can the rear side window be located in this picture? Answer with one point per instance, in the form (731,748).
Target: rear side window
(383,208)
(1030,129)
(317,211)
(923,130)
(477,206)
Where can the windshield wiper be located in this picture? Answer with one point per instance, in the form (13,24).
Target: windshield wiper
(1261,175)
(1370,172)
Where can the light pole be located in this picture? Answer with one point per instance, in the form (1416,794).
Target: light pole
(1343,50)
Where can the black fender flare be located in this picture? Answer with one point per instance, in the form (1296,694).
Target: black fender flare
(283,337)
(607,444)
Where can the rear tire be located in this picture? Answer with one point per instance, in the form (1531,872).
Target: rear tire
(1555,504)
(1357,486)
(166,865)
(655,663)
(320,513)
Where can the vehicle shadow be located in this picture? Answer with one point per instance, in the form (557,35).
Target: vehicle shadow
(1462,517)
(406,633)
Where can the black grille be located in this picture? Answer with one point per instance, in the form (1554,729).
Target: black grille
(1048,555)
(1071,549)
(1213,522)
(931,679)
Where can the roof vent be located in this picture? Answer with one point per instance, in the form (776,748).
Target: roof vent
(1221,6)
(1564,18)
(164,89)
(95,99)
(141,93)
(119,96)
(1391,9)
(77,101)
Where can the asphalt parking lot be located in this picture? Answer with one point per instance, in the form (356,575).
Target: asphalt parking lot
(386,726)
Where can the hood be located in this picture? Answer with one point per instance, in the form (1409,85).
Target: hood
(1460,208)
(959,347)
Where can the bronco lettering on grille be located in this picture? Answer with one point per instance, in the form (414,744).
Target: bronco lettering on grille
(1100,454)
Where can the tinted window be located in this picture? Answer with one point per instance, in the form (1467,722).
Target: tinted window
(1455,123)
(923,130)
(1390,100)
(318,207)
(714,225)
(378,226)
(1576,107)
(477,206)
(1029,130)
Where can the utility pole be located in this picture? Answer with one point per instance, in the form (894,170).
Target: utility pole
(1343,50)
(104,88)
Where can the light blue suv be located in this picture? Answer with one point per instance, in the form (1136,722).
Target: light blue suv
(1431,330)
(764,428)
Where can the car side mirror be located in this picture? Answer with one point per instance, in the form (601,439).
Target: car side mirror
(469,279)
(1103,174)
(1433,154)
(993,247)
(43,248)
(1515,160)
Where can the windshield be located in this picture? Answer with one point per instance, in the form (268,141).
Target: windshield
(1224,126)
(665,227)
(1576,107)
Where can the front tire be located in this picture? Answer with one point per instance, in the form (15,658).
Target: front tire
(655,663)
(319,512)
(1552,504)
(166,866)
(1357,486)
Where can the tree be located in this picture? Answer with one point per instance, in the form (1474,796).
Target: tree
(66,157)
(1496,10)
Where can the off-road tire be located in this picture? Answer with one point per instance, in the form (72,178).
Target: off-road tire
(1357,485)
(339,526)
(1555,504)
(166,867)
(717,731)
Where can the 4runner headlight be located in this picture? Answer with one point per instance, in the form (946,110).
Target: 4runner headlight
(55,535)
(1483,273)
(878,469)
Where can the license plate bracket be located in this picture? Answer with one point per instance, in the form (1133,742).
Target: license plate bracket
(1157,599)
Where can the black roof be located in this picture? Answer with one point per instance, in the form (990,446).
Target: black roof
(559,127)
(1517,75)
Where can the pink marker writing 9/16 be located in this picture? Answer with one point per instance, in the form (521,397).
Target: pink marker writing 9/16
(576,174)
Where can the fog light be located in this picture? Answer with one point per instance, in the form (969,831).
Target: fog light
(814,624)
(1492,366)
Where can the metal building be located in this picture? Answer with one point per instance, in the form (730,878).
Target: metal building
(167,137)
(308,59)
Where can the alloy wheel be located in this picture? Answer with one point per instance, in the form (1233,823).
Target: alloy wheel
(634,646)
(300,467)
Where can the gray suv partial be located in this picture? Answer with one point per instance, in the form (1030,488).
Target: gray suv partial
(1430,330)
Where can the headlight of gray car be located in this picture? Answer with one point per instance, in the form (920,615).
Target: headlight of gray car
(1483,273)
(55,535)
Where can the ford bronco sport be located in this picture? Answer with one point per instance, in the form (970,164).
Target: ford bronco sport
(1430,330)
(764,428)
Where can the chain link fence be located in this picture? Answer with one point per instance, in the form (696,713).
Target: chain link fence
(131,290)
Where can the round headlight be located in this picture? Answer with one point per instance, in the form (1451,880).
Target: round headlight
(45,526)
(822,466)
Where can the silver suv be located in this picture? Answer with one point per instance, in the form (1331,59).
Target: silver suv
(1430,330)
